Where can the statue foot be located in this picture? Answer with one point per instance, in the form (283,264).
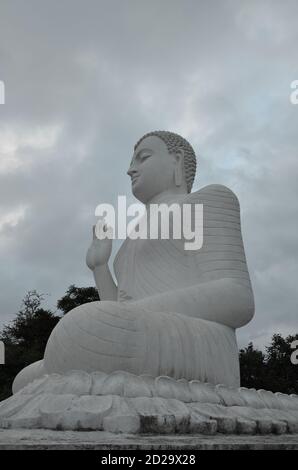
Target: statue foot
(27,375)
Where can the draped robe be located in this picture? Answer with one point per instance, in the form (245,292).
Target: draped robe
(176,311)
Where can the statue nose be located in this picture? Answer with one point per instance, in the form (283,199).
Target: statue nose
(131,171)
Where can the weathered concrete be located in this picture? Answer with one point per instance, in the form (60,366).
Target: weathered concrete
(99,440)
(124,403)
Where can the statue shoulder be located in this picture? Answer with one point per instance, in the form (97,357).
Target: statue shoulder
(214,194)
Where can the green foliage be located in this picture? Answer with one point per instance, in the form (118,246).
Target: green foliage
(252,364)
(25,338)
(272,370)
(282,374)
(76,296)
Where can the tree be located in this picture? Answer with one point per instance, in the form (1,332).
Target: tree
(252,367)
(25,339)
(76,296)
(282,375)
(273,370)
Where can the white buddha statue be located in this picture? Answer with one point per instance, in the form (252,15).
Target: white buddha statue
(173,312)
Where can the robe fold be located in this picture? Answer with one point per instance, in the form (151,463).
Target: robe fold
(108,336)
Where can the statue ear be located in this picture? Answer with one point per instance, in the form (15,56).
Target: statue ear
(179,156)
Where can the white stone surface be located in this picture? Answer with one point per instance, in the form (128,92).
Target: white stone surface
(123,403)
(167,326)
(173,312)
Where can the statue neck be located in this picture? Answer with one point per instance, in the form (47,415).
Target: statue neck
(167,197)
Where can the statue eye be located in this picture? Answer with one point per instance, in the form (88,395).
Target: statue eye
(142,155)
(145,156)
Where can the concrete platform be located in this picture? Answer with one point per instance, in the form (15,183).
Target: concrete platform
(41,439)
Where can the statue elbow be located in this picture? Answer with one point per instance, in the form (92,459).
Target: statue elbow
(238,301)
(244,308)
(245,316)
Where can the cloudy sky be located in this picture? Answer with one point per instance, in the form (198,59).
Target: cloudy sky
(85,79)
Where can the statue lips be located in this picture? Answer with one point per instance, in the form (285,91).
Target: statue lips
(134,179)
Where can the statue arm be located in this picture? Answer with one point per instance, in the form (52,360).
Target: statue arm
(105,284)
(224,301)
(97,259)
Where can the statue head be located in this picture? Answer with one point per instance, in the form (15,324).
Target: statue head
(161,161)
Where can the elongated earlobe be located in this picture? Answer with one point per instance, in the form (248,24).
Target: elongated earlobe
(178,176)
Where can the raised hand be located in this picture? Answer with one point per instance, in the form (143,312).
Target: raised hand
(100,249)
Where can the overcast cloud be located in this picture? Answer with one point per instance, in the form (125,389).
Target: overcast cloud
(85,79)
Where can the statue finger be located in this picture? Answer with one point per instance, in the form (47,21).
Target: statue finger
(98,229)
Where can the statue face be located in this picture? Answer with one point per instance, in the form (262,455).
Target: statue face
(152,169)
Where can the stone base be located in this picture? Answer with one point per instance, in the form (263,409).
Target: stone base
(125,403)
(41,439)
